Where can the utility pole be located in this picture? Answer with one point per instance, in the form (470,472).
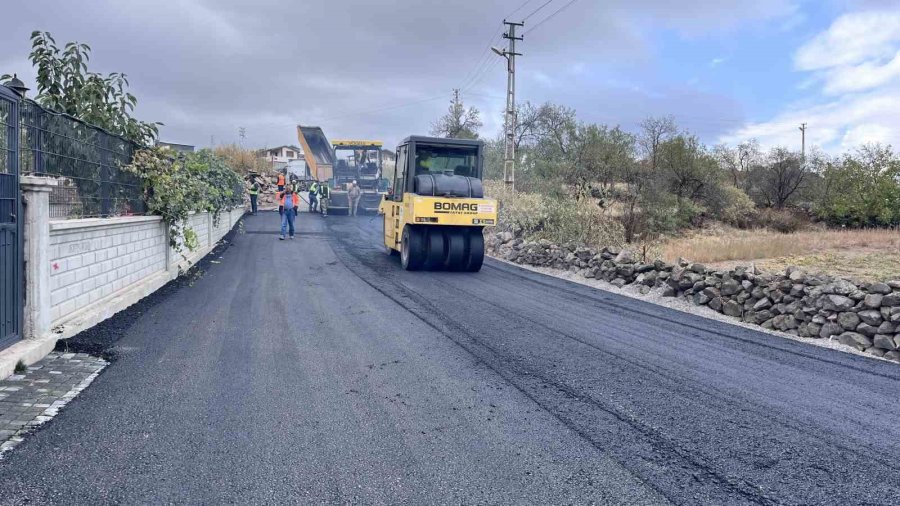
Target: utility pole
(803,141)
(242,132)
(509,162)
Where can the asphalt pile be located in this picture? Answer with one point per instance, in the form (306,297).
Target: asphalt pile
(863,315)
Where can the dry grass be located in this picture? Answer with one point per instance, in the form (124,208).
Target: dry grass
(862,254)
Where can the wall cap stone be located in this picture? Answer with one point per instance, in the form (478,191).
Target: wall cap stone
(95,223)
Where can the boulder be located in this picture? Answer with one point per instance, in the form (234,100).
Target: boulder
(884,342)
(730,287)
(866,329)
(854,339)
(830,329)
(895,284)
(887,328)
(701,299)
(870,316)
(618,282)
(698,268)
(848,320)
(716,304)
(761,304)
(873,300)
(644,289)
(880,288)
(668,291)
(797,276)
(893,355)
(878,352)
(833,302)
(626,256)
(892,300)
(732,308)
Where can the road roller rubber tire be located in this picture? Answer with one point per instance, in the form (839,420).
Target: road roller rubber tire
(434,248)
(455,249)
(412,248)
(475,253)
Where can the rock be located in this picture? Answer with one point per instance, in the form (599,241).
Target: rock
(641,268)
(625,271)
(784,322)
(848,320)
(830,329)
(618,282)
(834,302)
(701,299)
(797,276)
(895,284)
(875,351)
(747,285)
(813,329)
(763,303)
(893,355)
(884,342)
(644,289)
(668,291)
(895,315)
(626,256)
(853,339)
(698,268)
(730,287)
(870,316)
(506,237)
(891,300)
(897,341)
(880,288)
(866,329)
(873,300)
(716,304)
(887,328)
(732,308)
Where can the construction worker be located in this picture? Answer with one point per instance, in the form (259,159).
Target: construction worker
(324,194)
(313,196)
(288,202)
(280,182)
(354,195)
(254,194)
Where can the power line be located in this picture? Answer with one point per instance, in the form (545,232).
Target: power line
(519,8)
(548,18)
(484,58)
(548,2)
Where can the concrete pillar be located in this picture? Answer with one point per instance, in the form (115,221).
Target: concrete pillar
(36,229)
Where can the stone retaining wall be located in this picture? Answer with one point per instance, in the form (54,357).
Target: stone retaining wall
(865,316)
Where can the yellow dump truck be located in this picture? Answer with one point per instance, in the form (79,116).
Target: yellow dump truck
(435,211)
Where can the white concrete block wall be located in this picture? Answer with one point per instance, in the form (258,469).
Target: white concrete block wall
(93,258)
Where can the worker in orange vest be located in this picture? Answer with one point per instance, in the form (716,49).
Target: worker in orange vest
(280,182)
(288,201)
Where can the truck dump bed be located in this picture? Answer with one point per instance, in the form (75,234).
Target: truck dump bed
(317,151)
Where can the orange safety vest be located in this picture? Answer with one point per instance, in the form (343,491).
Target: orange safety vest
(280,180)
(282,195)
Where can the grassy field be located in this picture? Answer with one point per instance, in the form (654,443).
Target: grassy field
(866,255)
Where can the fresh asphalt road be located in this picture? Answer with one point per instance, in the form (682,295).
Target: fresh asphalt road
(317,371)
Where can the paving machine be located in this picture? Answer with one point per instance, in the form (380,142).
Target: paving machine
(360,161)
(319,156)
(435,210)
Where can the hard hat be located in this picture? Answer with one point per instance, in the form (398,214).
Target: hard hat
(354,181)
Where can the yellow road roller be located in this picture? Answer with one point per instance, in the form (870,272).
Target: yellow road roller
(435,209)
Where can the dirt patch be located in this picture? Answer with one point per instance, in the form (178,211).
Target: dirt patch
(100,339)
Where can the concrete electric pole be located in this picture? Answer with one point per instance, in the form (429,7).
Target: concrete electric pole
(509,162)
(803,141)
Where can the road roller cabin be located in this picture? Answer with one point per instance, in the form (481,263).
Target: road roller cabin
(436,210)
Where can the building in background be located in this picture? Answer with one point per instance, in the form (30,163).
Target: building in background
(281,156)
(181,148)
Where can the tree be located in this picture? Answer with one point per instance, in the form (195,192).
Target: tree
(862,188)
(65,85)
(654,131)
(459,122)
(778,179)
(688,171)
(738,160)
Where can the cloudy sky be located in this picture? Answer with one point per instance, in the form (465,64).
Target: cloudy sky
(726,69)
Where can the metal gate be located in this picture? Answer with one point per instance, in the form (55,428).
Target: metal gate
(11,299)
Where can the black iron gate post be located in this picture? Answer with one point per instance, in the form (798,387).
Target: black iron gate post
(11,282)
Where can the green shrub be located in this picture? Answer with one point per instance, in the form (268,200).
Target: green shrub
(739,209)
(176,186)
(783,220)
(561,220)
(862,189)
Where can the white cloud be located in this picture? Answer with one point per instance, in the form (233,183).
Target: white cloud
(854,65)
(715,62)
